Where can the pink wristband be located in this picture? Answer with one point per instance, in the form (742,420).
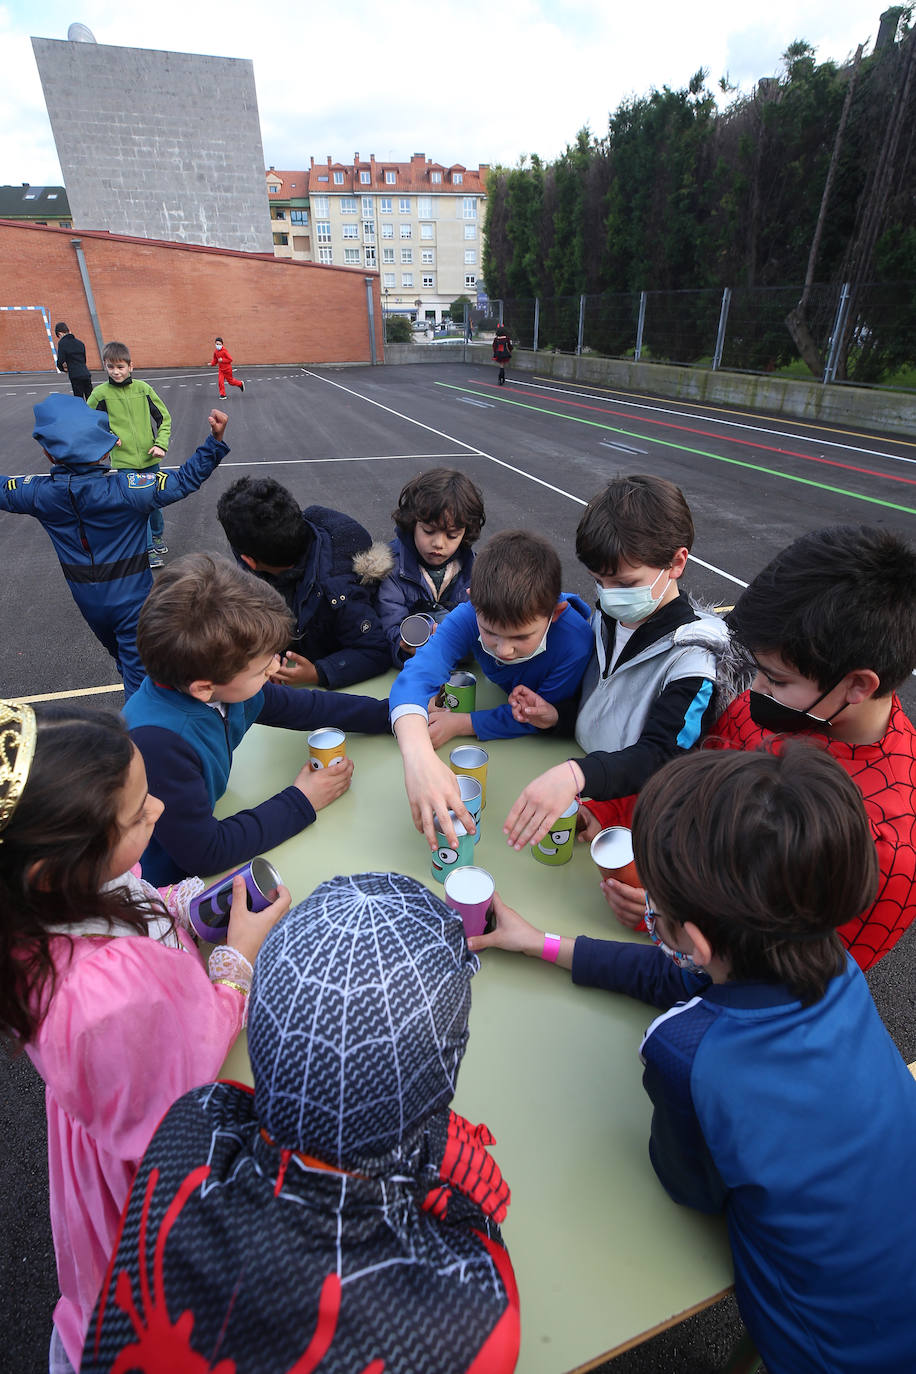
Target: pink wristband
(551,949)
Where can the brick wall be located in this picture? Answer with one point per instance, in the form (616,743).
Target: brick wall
(166,301)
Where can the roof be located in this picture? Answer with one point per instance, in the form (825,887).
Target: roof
(413,177)
(33,201)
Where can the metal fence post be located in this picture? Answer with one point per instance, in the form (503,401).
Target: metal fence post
(370,309)
(640,325)
(720,335)
(839,325)
(500,312)
(581,325)
(537,320)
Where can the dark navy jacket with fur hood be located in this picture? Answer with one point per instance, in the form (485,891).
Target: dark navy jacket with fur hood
(404,592)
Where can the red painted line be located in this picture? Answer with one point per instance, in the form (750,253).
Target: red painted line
(705,433)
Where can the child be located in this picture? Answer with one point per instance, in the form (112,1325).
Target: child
(523,632)
(97,519)
(439,517)
(71,358)
(143,425)
(342,1202)
(308,556)
(222,361)
(110,1000)
(778,1095)
(649,689)
(502,351)
(210,636)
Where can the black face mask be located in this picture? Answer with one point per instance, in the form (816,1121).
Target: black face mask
(770,714)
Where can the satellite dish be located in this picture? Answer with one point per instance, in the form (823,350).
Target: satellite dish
(80,33)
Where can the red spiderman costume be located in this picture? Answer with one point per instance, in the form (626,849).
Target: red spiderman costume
(223,362)
(885,773)
(341,1217)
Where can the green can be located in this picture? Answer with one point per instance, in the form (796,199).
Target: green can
(460,692)
(557,845)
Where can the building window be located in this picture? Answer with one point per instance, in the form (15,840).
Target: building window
(299,216)
(470,257)
(350,231)
(404,205)
(458,178)
(406,231)
(273,190)
(470,207)
(436,178)
(387,231)
(351,257)
(338,178)
(52,195)
(348,205)
(325,255)
(279,214)
(281,239)
(323,230)
(390,178)
(365,178)
(370,257)
(406,255)
(470,279)
(322,176)
(387,255)
(385,206)
(424,207)
(426,231)
(368,231)
(388,278)
(321,207)
(428,256)
(470,231)
(429,282)
(407,279)
(368,208)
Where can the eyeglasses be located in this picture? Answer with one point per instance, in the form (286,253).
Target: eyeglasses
(683,961)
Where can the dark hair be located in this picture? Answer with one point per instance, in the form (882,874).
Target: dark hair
(207,619)
(640,519)
(61,328)
(515,578)
(837,599)
(116,353)
(263,520)
(55,850)
(767,853)
(440,496)
(217,339)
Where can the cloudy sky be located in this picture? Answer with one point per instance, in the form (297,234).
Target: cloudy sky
(461,80)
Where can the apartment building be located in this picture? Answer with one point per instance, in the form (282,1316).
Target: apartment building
(418,223)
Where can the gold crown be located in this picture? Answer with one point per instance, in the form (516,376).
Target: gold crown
(17,749)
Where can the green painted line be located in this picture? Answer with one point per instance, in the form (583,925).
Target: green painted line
(683,448)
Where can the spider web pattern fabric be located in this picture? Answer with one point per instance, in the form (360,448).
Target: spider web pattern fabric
(885,774)
(358,1019)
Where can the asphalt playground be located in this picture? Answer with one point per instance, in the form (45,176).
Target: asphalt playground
(350,438)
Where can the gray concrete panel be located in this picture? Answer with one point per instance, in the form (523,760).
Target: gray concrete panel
(163,145)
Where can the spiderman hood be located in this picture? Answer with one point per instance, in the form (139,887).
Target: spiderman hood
(359,1020)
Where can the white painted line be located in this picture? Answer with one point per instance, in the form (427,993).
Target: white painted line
(469,401)
(471,448)
(78,692)
(357,458)
(624,448)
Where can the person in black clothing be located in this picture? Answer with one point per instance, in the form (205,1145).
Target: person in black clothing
(71,358)
(502,350)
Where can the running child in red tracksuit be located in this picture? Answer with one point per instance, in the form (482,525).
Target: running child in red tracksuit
(222,360)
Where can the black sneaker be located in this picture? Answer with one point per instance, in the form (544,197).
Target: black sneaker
(242,385)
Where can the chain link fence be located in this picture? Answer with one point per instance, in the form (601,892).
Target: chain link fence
(863,335)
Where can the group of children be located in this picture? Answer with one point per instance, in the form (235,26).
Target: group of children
(771,868)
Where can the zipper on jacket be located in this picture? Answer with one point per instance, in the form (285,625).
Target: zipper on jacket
(79,522)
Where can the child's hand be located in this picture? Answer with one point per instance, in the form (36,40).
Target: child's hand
(432,790)
(445,725)
(587,826)
(510,931)
(324,785)
(155,452)
(295,671)
(627,903)
(542,801)
(530,709)
(217,420)
(406,650)
(249,929)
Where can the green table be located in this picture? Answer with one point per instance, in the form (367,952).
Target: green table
(603,1257)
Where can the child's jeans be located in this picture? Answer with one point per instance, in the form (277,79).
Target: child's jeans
(156,524)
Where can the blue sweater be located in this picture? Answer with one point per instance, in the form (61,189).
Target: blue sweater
(554,674)
(799,1122)
(187,747)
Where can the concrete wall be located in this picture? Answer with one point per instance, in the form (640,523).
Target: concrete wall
(166,301)
(162,145)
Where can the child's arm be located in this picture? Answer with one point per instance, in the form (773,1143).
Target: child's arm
(175,484)
(304,710)
(159,412)
(432,787)
(361,650)
(554,675)
(17,494)
(678,1148)
(391,603)
(423,675)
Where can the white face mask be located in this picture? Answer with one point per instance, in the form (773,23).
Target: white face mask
(630,604)
(519,658)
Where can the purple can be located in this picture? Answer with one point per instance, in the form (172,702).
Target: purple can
(209,910)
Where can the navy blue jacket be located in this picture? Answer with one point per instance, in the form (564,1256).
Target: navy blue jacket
(96,519)
(799,1123)
(187,747)
(403,592)
(337,625)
